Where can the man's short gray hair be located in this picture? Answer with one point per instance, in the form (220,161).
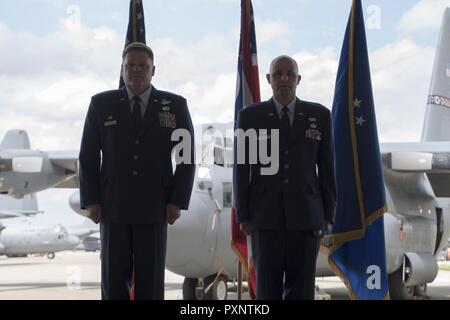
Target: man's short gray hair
(283,57)
(138,46)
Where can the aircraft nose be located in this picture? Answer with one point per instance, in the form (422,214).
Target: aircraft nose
(73,240)
(74,203)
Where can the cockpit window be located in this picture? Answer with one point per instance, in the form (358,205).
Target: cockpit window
(223,153)
(216,148)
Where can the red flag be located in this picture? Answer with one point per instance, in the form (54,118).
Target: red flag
(247,92)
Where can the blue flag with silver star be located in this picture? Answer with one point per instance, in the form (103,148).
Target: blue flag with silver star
(356,245)
(136,27)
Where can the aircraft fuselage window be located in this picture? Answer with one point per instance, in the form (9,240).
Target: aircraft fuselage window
(227,186)
(219,156)
(223,156)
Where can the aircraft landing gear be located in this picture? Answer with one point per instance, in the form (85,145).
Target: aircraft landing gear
(51,255)
(398,290)
(420,290)
(193,289)
(219,290)
(208,288)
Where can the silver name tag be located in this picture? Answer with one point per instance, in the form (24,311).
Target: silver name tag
(110,123)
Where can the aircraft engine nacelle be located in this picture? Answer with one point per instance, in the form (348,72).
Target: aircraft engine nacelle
(27,171)
(2,248)
(419,267)
(74,203)
(408,233)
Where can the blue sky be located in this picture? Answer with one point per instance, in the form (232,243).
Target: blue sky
(55,54)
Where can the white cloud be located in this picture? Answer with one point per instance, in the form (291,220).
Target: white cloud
(401,75)
(54,3)
(271,30)
(318,70)
(226,1)
(424,15)
(47,81)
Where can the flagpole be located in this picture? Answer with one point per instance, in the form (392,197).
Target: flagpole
(134,20)
(247,93)
(239,280)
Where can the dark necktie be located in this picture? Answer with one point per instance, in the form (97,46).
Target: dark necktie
(285,129)
(137,117)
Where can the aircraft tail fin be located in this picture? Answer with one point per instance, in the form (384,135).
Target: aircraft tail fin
(15,139)
(437,119)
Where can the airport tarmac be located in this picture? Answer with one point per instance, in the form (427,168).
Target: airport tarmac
(76,276)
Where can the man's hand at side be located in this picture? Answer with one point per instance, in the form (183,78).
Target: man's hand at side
(94,213)
(245,228)
(172,213)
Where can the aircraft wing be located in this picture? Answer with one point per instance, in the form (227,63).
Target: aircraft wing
(67,160)
(431,158)
(5,214)
(64,159)
(71,183)
(93,236)
(83,233)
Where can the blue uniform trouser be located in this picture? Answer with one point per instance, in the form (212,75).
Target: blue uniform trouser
(126,247)
(285,264)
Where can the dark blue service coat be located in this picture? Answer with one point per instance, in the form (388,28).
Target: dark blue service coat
(302,194)
(131,173)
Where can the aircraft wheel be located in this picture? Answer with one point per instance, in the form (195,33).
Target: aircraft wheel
(51,255)
(193,289)
(397,289)
(219,290)
(420,290)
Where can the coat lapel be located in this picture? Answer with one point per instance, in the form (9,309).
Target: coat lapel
(272,116)
(299,125)
(125,111)
(151,114)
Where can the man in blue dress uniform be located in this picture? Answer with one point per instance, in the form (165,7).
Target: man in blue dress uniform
(127,182)
(286,213)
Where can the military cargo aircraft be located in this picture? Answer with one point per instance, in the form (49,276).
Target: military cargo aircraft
(417,184)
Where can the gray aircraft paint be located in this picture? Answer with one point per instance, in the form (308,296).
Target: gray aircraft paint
(437,119)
